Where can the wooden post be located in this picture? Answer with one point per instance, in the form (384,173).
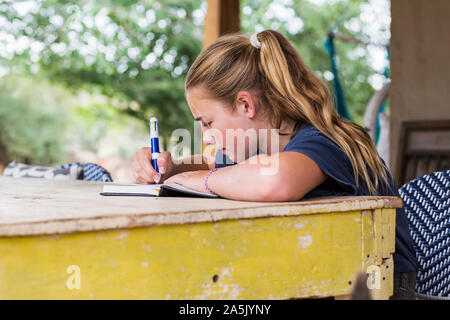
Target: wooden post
(222,17)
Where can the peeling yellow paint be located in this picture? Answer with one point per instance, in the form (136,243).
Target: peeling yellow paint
(205,260)
(123,235)
(304,242)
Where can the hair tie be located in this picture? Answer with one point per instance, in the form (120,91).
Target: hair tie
(254,41)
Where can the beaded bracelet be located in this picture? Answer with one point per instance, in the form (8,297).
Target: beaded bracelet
(206,180)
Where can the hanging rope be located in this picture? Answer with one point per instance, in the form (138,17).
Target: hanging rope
(383,107)
(339,102)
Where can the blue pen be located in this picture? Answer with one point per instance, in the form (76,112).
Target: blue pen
(154,140)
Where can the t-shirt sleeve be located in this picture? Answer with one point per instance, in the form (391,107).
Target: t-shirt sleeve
(330,158)
(222,160)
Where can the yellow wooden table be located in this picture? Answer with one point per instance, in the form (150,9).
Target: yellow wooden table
(62,240)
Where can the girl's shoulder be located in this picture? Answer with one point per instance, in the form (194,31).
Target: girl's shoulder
(333,161)
(309,134)
(307,130)
(330,158)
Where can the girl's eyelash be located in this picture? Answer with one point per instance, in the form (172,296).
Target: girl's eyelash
(207,124)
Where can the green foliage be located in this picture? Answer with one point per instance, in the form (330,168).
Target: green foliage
(101,123)
(315,22)
(31,123)
(137,53)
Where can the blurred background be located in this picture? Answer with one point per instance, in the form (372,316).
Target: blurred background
(80,79)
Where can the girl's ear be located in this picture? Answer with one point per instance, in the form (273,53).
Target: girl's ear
(246,104)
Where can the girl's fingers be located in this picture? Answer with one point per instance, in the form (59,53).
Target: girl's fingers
(142,181)
(157,178)
(139,180)
(143,169)
(135,173)
(162,164)
(138,177)
(139,174)
(146,169)
(143,175)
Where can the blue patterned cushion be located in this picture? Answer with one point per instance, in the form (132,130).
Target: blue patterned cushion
(92,171)
(22,170)
(427,205)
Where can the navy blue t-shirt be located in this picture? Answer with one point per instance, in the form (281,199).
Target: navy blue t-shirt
(341,182)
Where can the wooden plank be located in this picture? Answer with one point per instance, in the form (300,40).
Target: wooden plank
(388,232)
(385,276)
(378,246)
(444,163)
(37,206)
(378,228)
(392,224)
(422,166)
(433,163)
(222,17)
(343,297)
(424,137)
(368,239)
(430,140)
(410,170)
(314,255)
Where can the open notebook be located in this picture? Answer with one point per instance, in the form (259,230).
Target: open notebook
(157,190)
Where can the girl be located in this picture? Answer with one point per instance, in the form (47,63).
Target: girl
(259,85)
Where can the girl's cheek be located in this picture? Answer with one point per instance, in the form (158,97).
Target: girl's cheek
(229,139)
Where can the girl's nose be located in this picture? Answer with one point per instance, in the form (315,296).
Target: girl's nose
(208,138)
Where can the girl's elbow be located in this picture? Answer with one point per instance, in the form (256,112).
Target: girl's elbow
(285,195)
(276,190)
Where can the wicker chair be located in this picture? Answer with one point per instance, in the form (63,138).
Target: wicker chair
(70,171)
(427,205)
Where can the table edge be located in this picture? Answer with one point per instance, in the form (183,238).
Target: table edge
(127,221)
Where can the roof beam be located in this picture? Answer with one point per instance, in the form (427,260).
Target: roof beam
(222,17)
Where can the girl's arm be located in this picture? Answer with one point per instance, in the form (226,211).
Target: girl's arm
(287,176)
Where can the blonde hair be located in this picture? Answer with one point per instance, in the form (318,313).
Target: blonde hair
(282,83)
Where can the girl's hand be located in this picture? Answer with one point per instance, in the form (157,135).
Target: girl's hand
(194,180)
(143,169)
